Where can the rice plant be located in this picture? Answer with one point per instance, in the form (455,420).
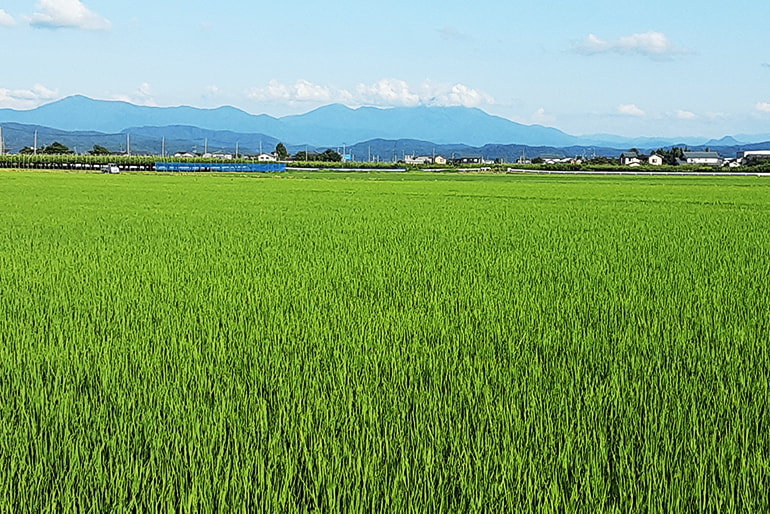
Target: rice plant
(375,342)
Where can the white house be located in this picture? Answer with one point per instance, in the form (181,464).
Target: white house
(550,158)
(439,160)
(655,160)
(423,159)
(707,158)
(630,159)
(217,155)
(267,157)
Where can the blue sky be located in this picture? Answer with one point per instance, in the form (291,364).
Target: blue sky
(654,68)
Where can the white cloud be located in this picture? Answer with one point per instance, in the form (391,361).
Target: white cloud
(302,91)
(630,110)
(67,14)
(457,95)
(211,91)
(654,45)
(387,92)
(685,115)
(6,20)
(142,96)
(26,98)
(543,118)
(763,107)
(306,91)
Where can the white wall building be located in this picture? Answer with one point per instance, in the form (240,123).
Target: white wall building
(707,158)
(749,157)
(655,160)
(630,159)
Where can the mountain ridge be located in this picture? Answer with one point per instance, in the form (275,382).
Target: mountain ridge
(334,125)
(328,125)
(181,138)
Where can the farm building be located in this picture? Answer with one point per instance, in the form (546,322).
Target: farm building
(423,159)
(468,159)
(751,157)
(655,160)
(630,159)
(550,158)
(707,158)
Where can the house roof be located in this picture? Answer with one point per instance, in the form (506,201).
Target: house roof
(630,155)
(701,155)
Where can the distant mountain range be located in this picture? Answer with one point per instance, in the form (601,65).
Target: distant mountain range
(81,122)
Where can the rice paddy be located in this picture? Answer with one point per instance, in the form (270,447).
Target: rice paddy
(384,342)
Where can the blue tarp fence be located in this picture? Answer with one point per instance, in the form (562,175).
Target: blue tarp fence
(262,167)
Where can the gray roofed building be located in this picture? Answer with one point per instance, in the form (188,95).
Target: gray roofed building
(707,158)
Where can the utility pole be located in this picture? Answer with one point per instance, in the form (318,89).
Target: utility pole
(163,148)
(2,144)
(128,145)
(236,149)
(34,148)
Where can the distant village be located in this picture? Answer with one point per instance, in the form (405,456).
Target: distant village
(674,156)
(630,159)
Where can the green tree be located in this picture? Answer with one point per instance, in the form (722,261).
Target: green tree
(330,155)
(27,150)
(99,150)
(281,151)
(55,149)
(672,156)
(301,156)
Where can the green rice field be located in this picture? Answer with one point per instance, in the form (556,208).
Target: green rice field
(384,342)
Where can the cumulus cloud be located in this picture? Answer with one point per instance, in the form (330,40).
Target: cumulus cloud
(685,115)
(390,92)
(387,92)
(630,110)
(301,91)
(143,95)
(211,91)
(541,117)
(27,98)
(654,45)
(457,95)
(6,20)
(763,107)
(56,14)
